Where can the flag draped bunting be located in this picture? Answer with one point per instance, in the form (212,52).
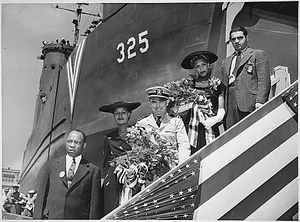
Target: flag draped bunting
(249,172)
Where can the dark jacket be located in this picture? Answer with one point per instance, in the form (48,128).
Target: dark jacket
(114,146)
(81,201)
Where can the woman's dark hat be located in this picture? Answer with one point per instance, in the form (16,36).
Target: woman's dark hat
(109,108)
(188,61)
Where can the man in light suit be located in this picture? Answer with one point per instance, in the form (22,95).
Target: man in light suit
(247,76)
(71,186)
(171,128)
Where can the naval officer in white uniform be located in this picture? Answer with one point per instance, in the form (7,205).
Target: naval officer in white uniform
(171,128)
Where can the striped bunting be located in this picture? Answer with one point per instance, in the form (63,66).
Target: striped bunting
(248,173)
(73,69)
(171,197)
(246,176)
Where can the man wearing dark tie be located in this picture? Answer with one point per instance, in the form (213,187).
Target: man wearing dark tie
(170,128)
(246,74)
(71,186)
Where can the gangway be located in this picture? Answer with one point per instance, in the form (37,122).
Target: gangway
(250,172)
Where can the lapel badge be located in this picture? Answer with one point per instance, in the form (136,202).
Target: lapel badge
(250,67)
(62,174)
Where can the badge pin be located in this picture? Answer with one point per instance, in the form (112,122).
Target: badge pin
(62,174)
(250,68)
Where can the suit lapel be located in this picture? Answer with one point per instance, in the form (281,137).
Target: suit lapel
(165,120)
(82,170)
(151,121)
(228,65)
(117,142)
(246,56)
(61,169)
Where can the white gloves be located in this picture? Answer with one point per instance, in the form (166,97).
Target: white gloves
(214,119)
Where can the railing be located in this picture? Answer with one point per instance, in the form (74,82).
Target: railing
(280,80)
(10,216)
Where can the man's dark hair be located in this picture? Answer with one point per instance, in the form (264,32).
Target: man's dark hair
(83,134)
(237,29)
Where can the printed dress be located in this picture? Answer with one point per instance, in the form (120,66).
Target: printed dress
(195,113)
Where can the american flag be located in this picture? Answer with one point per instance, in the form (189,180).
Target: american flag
(73,69)
(249,173)
(171,197)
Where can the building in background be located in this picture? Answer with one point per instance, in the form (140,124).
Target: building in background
(9,177)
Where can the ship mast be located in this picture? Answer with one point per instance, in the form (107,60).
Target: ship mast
(76,21)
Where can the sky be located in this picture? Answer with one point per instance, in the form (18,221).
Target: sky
(23,28)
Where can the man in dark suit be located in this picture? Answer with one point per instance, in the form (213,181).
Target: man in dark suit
(247,76)
(71,186)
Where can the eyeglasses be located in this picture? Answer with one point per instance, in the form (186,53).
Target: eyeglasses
(76,142)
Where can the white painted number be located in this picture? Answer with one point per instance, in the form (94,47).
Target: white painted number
(121,44)
(131,43)
(143,40)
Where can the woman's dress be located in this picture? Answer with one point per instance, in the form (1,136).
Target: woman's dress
(203,136)
(114,146)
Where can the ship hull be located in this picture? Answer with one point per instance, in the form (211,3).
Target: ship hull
(136,47)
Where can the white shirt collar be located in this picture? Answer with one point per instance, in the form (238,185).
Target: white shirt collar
(69,161)
(77,159)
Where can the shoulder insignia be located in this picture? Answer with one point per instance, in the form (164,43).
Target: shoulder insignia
(176,117)
(143,117)
(173,115)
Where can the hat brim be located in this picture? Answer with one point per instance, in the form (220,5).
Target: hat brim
(109,108)
(158,92)
(158,96)
(186,63)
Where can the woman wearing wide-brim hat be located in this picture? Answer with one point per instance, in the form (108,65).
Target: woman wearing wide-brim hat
(202,127)
(201,71)
(115,146)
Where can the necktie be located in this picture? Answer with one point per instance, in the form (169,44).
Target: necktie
(158,121)
(71,173)
(237,63)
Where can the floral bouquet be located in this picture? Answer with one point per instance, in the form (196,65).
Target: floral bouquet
(184,92)
(151,157)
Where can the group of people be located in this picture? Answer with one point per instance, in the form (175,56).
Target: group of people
(72,187)
(16,202)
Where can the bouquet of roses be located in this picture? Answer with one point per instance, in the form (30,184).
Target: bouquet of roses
(184,92)
(151,156)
